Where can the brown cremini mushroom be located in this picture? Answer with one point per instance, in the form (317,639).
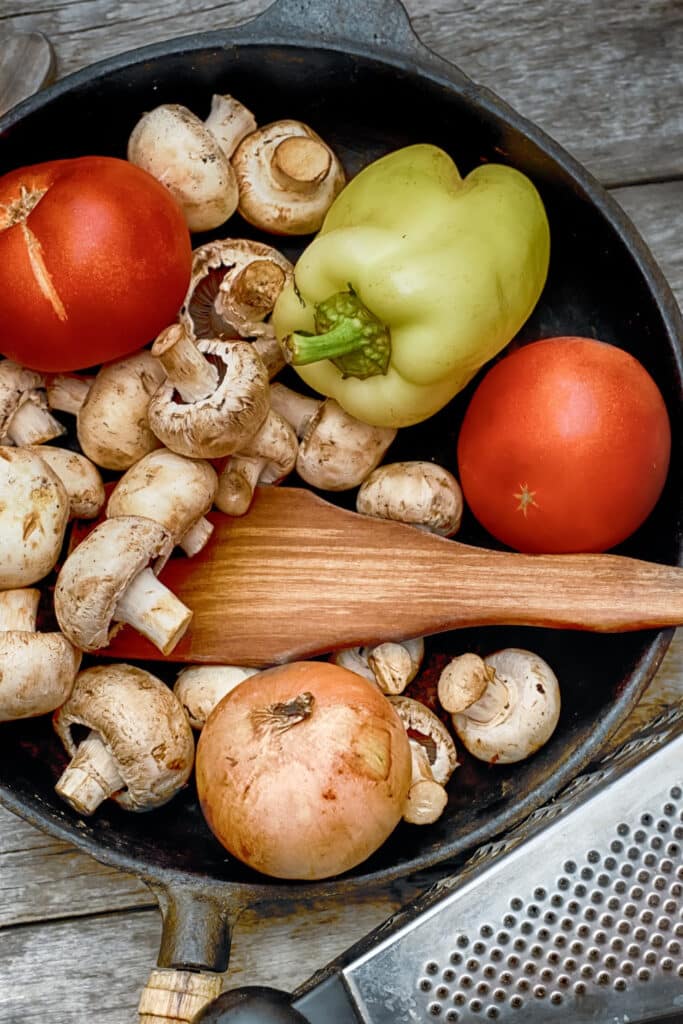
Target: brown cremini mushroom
(199,688)
(419,493)
(390,665)
(139,748)
(80,477)
(191,157)
(215,397)
(234,285)
(517,711)
(336,451)
(288,178)
(112,425)
(174,491)
(267,458)
(107,578)
(34,512)
(24,414)
(37,670)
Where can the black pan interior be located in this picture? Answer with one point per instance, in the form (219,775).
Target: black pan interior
(601,285)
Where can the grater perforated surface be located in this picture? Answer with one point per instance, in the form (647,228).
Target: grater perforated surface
(577,915)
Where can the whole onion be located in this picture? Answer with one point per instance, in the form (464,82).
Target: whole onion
(303,770)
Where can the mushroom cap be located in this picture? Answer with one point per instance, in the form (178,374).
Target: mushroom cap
(112,425)
(34,512)
(97,573)
(419,493)
(142,724)
(175,146)
(523,719)
(423,727)
(216,305)
(272,203)
(222,423)
(37,671)
(355,659)
(395,664)
(200,688)
(337,451)
(171,489)
(80,477)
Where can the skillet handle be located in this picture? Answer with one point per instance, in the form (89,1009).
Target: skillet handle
(379,26)
(194,950)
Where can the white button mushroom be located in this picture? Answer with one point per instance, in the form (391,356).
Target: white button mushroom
(80,477)
(37,670)
(66,392)
(234,285)
(106,579)
(140,748)
(516,713)
(287,177)
(267,458)
(419,493)
(390,665)
(427,798)
(112,424)
(199,688)
(192,158)
(425,728)
(336,451)
(214,399)
(174,491)
(24,415)
(34,512)
(434,759)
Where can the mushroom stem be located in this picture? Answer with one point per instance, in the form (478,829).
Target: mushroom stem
(90,777)
(67,394)
(192,376)
(297,409)
(427,798)
(19,609)
(257,287)
(154,611)
(33,424)
(196,537)
(237,483)
(495,702)
(300,163)
(268,347)
(229,121)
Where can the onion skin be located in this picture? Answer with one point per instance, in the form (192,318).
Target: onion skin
(303,796)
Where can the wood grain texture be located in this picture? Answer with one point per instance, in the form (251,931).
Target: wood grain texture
(297,577)
(604,79)
(77,940)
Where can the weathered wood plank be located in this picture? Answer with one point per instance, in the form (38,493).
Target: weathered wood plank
(77,972)
(604,79)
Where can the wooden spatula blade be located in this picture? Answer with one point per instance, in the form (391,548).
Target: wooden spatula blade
(298,576)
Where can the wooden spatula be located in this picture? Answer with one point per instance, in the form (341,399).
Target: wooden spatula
(298,576)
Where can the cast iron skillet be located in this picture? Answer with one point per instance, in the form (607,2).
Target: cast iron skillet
(368,85)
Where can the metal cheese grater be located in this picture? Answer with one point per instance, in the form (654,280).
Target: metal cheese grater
(576,915)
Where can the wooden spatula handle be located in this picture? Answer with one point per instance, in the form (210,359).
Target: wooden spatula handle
(298,577)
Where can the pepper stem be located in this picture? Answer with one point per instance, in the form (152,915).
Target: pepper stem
(348,334)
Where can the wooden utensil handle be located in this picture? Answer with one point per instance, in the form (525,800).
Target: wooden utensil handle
(298,577)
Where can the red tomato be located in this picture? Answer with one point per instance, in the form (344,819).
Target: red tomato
(564,447)
(95,260)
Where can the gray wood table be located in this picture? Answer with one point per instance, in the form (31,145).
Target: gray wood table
(77,940)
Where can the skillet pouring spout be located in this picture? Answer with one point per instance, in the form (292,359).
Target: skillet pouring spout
(298,577)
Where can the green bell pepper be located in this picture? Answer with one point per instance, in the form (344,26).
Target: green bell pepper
(415,280)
